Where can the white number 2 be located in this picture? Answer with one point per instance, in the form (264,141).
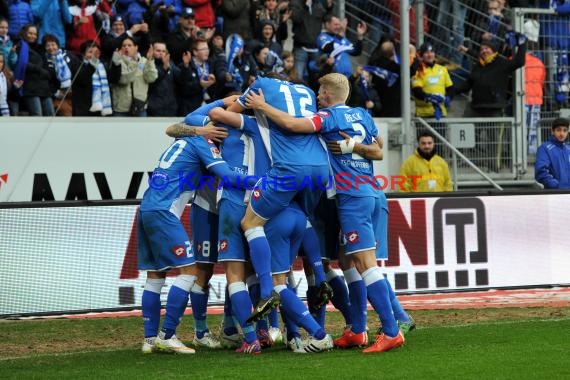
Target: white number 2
(359,138)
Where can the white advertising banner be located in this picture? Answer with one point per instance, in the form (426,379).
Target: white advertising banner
(62,259)
(78,158)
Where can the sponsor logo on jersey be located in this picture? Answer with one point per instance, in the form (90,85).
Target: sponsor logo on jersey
(179,250)
(352,237)
(223,245)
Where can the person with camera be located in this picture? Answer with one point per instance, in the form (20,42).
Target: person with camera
(129,94)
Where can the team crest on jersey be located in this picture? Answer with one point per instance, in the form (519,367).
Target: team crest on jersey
(352,237)
(256,194)
(223,245)
(215,152)
(179,250)
(323,114)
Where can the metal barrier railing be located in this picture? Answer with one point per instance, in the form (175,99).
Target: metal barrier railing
(454,154)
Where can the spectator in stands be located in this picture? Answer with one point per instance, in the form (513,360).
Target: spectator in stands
(385,57)
(237,74)
(289,67)
(307,17)
(6,80)
(424,170)
(489,79)
(161,93)
(180,40)
(552,166)
(491,29)
(204,11)
(266,38)
(7,45)
(217,46)
(431,86)
(53,16)
(261,61)
(277,15)
(59,66)
(362,92)
(162,17)
(489,85)
(337,47)
(91,95)
(237,18)
(196,78)
(19,15)
(32,70)
(83,12)
(130,94)
(114,39)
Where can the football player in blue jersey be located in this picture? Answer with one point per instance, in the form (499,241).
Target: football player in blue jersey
(299,168)
(244,151)
(162,240)
(204,225)
(362,206)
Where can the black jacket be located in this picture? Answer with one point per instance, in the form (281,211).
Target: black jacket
(489,84)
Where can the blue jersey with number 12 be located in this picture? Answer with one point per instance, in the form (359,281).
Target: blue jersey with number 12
(286,148)
(356,123)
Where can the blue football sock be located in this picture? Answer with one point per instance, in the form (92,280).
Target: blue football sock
(318,314)
(241,307)
(151,306)
(290,326)
(273,318)
(312,250)
(260,255)
(399,312)
(358,301)
(380,299)
(340,299)
(229,321)
(199,302)
(176,303)
(299,312)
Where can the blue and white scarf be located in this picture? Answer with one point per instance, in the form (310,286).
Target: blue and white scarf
(20,69)
(62,71)
(101,95)
(387,75)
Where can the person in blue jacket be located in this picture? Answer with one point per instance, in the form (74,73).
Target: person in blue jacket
(552,167)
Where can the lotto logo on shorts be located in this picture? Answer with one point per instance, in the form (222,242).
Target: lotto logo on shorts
(223,246)
(352,237)
(179,250)
(256,194)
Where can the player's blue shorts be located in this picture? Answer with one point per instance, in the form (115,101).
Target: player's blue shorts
(326,224)
(231,241)
(204,234)
(285,233)
(274,193)
(162,242)
(360,222)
